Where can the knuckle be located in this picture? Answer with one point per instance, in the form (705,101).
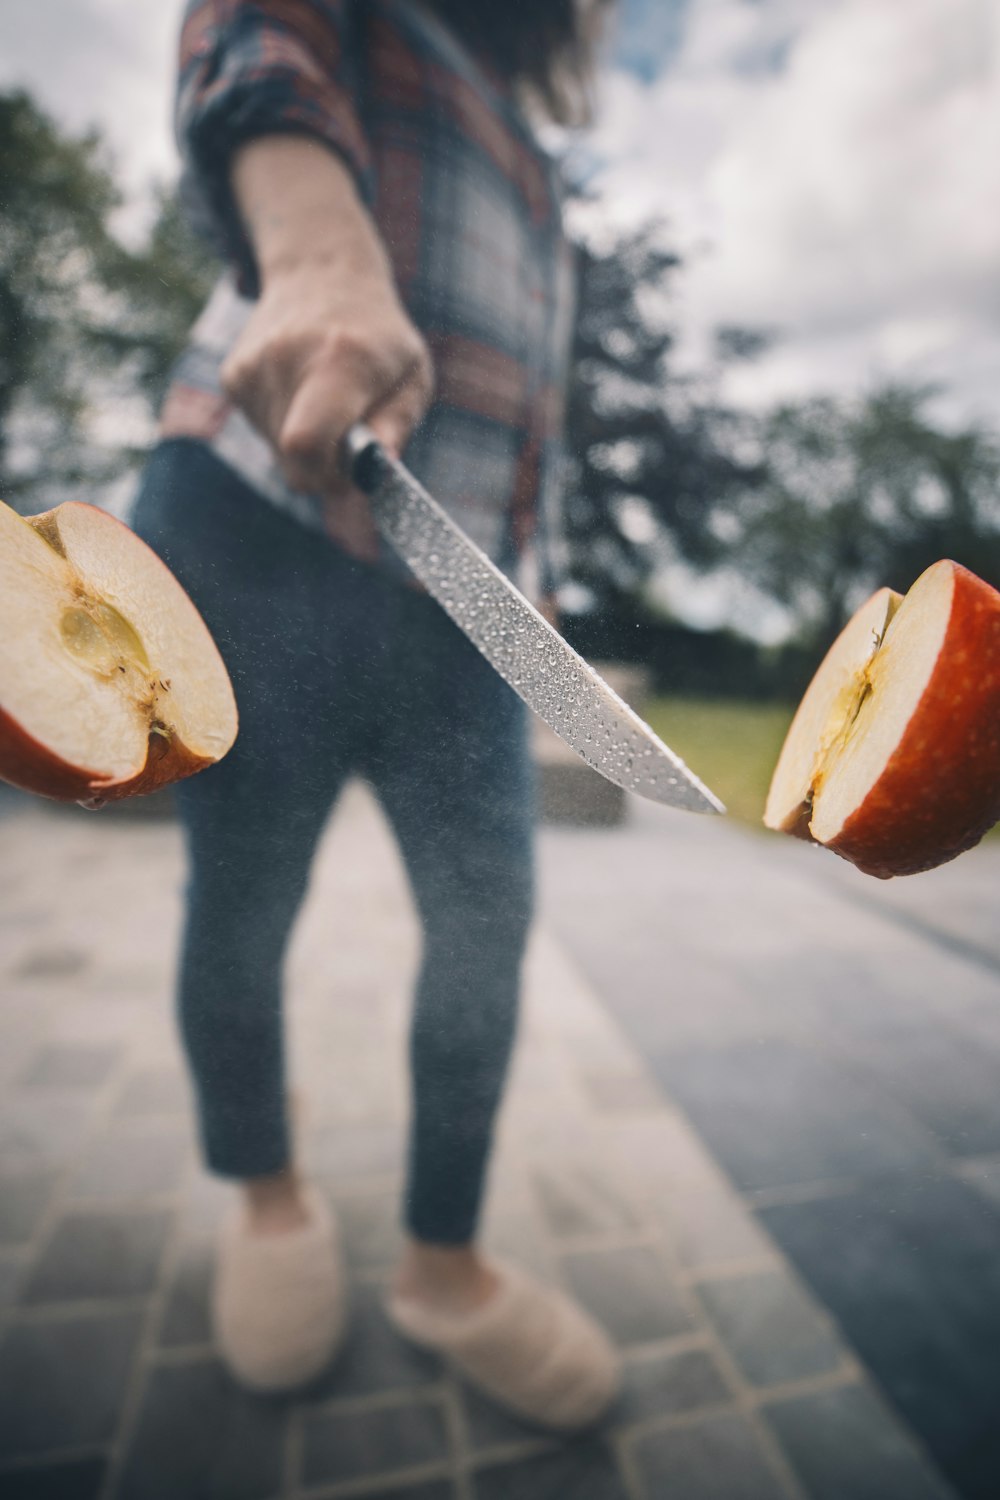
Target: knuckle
(282,349)
(346,346)
(297,445)
(234,376)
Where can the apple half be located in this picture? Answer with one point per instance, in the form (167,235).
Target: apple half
(110,683)
(893,757)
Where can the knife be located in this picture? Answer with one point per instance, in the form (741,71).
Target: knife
(554,681)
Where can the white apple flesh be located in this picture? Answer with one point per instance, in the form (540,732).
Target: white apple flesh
(893,758)
(110,682)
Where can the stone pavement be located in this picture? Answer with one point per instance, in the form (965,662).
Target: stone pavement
(835,1041)
(738,1384)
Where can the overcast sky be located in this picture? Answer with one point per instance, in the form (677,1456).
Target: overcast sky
(830,167)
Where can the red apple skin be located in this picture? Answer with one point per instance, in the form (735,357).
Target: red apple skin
(940,791)
(30,765)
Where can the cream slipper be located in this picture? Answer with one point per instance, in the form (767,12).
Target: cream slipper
(529,1348)
(278,1306)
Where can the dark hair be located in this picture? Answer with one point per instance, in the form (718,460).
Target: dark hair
(543,47)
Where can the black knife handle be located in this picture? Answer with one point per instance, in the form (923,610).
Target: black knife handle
(367,460)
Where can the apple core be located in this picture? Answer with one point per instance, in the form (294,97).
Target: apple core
(98,637)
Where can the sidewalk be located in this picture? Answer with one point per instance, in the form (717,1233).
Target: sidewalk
(835,1041)
(738,1385)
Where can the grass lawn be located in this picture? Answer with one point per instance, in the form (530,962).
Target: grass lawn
(732,746)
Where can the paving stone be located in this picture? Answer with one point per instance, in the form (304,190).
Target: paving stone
(79,1479)
(516,1236)
(374,1358)
(948,1081)
(99,1255)
(984,1176)
(717,1458)
(710,1226)
(154,1091)
(623,1092)
(585,1470)
(662,1154)
(579,1197)
(434,1489)
(353,1444)
(630,1291)
(355,1150)
(132,1164)
(37,1133)
(540,1128)
(844,1443)
(62,1382)
(66,1067)
(11,1276)
(371,1230)
(199,1434)
(844,1125)
(53,961)
(187,1315)
(207,1201)
(23,1201)
(664,1385)
(490,1426)
(910,1269)
(772,1330)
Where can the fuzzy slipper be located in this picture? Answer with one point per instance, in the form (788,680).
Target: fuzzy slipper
(278,1305)
(529,1348)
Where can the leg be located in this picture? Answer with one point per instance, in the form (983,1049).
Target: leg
(454,775)
(252,822)
(249,858)
(455,779)
(251,826)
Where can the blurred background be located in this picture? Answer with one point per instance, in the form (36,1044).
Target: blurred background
(786,355)
(785,394)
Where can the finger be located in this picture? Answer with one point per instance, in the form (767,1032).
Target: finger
(393,419)
(346,509)
(334,394)
(348,521)
(261,381)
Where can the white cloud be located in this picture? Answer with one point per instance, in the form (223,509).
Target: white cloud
(100,62)
(831,167)
(848,193)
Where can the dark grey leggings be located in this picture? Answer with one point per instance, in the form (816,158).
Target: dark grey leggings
(339,669)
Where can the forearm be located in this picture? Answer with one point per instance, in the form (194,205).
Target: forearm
(300,205)
(328,343)
(251,70)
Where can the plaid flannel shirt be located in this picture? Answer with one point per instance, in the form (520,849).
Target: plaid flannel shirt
(467,204)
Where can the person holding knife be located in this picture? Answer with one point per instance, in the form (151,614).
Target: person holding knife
(395,255)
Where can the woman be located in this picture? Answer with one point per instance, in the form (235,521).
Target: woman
(390,222)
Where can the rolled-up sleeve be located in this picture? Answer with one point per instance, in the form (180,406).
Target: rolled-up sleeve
(250,68)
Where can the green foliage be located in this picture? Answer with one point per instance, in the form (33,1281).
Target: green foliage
(732,746)
(88,327)
(650,458)
(861,493)
(815,503)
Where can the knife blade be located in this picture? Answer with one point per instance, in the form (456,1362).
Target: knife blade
(543,669)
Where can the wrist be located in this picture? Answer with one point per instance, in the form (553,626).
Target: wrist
(301,209)
(321,259)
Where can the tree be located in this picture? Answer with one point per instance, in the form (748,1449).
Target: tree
(88,327)
(650,457)
(861,493)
